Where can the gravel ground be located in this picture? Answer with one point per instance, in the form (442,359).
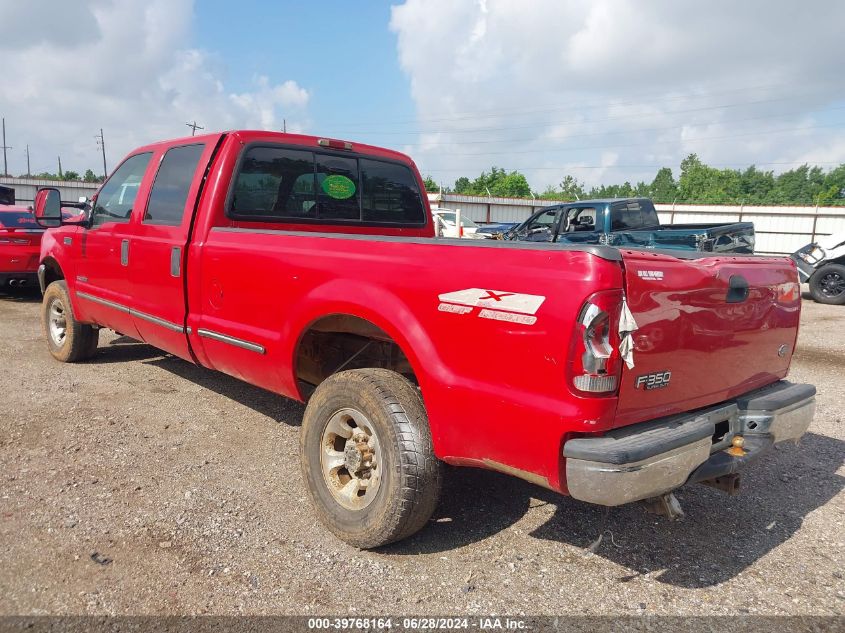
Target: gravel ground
(140,484)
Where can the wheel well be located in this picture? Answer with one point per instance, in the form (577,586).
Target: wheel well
(341,341)
(52,271)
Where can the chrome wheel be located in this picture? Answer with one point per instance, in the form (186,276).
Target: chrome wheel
(350,458)
(57,322)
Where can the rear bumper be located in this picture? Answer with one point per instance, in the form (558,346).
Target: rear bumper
(648,459)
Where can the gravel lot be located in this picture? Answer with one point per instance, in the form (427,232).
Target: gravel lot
(140,484)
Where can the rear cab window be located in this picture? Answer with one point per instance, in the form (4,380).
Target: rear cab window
(281,184)
(632,215)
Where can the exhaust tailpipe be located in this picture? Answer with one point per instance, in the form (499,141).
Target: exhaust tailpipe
(13,283)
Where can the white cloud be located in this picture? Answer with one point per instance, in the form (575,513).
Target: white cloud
(569,84)
(73,67)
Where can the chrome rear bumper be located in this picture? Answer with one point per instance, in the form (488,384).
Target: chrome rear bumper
(652,458)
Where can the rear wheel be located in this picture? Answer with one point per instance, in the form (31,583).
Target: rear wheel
(67,339)
(827,285)
(367,457)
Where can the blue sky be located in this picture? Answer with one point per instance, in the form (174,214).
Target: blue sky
(604,90)
(342,53)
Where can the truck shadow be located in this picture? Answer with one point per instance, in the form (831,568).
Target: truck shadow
(278,408)
(719,538)
(21,295)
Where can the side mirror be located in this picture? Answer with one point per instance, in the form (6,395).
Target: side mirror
(48,207)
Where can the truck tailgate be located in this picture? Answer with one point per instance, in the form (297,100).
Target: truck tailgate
(708,328)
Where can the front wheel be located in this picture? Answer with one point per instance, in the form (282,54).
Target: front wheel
(367,457)
(827,285)
(67,339)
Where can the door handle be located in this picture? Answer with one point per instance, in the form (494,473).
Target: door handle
(124,252)
(737,289)
(176,261)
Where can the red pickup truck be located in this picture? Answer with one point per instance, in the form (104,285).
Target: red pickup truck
(20,243)
(309,267)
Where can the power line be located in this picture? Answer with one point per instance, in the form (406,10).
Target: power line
(644,144)
(620,132)
(517,110)
(576,121)
(194,127)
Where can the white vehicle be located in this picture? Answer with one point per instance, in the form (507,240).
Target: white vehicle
(822,265)
(447,221)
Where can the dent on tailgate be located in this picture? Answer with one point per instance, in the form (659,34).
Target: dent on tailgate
(695,347)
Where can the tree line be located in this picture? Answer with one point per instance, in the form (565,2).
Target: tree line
(697,183)
(88,176)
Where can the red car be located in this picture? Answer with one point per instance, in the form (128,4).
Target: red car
(309,267)
(20,243)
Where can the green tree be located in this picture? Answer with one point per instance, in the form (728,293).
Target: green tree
(430,185)
(90,176)
(463,185)
(70,175)
(756,186)
(664,188)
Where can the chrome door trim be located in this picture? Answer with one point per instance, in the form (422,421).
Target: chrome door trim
(174,327)
(111,304)
(231,340)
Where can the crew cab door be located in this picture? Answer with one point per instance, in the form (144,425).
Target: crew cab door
(102,279)
(158,245)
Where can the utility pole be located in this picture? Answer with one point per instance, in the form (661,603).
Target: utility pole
(194,127)
(60,167)
(285,126)
(5,147)
(102,143)
(28,173)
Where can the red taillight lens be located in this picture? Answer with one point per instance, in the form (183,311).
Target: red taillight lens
(595,366)
(789,292)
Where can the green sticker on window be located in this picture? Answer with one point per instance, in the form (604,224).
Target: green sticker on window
(338,187)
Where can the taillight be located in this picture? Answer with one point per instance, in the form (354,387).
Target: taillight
(595,366)
(789,292)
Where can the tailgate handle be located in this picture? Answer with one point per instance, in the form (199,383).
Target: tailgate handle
(737,289)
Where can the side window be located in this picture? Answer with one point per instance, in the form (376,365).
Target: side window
(390,194)
(583,219)
(172,183)
(626,217)
(117,196)
(544,220)
(337,188)
(274,182)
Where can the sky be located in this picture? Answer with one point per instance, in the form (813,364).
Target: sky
(604,90)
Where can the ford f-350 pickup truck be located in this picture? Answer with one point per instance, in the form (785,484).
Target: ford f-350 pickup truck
(309,267)
(630,222)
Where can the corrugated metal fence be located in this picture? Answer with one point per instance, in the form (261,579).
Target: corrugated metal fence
(25,188)
(779,230)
